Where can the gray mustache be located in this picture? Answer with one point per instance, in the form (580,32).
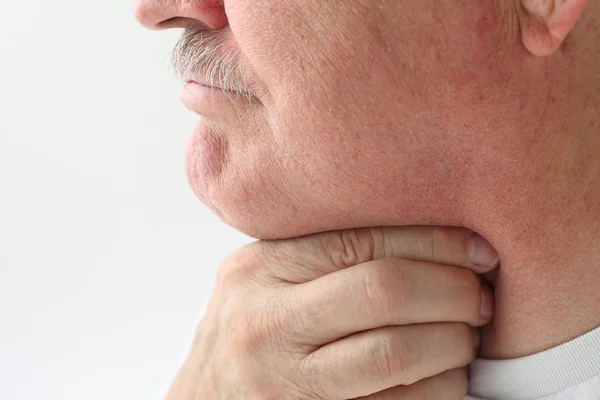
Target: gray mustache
(203,55)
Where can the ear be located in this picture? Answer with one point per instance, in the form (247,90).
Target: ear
(546,23)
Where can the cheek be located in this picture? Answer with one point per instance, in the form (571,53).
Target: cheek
(294,46)
(340,144)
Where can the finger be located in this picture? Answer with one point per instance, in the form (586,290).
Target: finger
(307,258)
(449,385)
(386,292)
(373,361)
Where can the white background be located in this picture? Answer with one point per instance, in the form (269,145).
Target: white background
(106,256)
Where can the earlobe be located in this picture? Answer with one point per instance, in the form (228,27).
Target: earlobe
(546,23)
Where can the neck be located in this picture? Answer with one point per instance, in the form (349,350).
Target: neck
(544,217)
(547,289)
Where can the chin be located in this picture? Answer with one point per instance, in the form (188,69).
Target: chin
(267,230)
(272,219)
(276,223)
(257,199)
(264,215)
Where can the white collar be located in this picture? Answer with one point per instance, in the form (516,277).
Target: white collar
(538,375)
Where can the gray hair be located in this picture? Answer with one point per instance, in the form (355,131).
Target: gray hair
(205,53)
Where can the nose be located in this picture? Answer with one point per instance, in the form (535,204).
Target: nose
(164,14)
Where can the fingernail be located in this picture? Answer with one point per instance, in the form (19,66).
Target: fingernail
(476,337)
(487,302)
(481,253)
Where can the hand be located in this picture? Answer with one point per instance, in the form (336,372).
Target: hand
(373,312)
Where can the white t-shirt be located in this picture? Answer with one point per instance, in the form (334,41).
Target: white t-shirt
(570,371)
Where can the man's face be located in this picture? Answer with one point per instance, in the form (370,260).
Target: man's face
(363,112)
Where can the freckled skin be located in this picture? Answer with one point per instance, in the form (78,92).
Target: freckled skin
(397,112)
(325,142)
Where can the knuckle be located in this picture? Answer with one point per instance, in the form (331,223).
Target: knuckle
(352,247)
(405,356)
(388,288)
(467,292)
(441,244)
(382,357)
(392,357)
(240,265)
(425,243)
(402,287)
(377,294)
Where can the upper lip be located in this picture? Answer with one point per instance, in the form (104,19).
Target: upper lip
(216,83)
(205,107)
(203,83)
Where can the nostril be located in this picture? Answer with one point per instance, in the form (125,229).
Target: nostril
(176,22)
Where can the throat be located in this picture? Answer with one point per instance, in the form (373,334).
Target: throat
(547,289)
(536,313)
